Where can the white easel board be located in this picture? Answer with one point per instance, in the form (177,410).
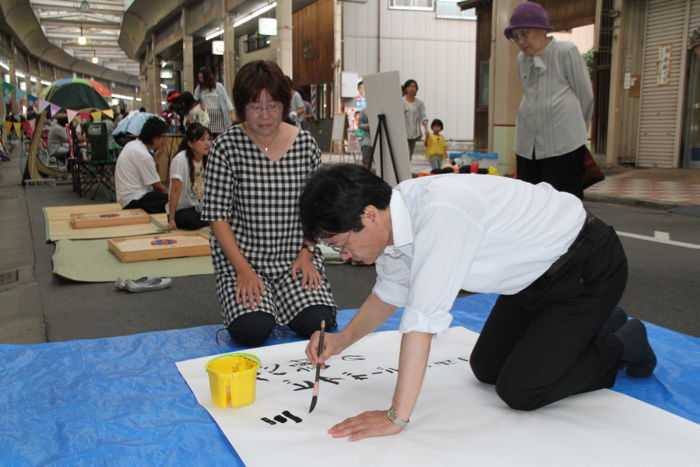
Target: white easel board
(383,92)
(457,421)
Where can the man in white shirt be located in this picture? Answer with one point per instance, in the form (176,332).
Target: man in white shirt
(560,272)
(136,180)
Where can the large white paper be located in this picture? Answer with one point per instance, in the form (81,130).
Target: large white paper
(457,421)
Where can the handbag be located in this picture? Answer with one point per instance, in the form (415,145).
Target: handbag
(591,171)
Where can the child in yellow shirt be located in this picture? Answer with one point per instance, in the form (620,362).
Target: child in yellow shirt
(435,145)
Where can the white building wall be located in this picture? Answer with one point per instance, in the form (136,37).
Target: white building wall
(438,53)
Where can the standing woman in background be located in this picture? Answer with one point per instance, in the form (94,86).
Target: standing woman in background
(266,273)
(414,113)
(551,130)
(215,99)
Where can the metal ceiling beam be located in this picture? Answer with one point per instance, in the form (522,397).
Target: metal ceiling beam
(77,23)
(95,5)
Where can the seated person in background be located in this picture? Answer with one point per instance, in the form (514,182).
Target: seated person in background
(57,144)
(186,176)
(135,177)
(194,112)
(109,124)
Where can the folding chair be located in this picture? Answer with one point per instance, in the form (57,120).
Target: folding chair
(97,172)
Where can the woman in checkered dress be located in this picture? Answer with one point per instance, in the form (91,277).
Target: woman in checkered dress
(266,273)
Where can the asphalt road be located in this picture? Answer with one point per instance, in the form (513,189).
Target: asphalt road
(662,286)
(664,267)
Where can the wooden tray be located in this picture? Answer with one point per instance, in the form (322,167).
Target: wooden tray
(109,218)
(150,247)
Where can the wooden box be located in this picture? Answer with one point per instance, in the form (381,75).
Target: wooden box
(150,247)
(109,218)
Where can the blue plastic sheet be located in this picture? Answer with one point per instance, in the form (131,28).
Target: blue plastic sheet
(122,401)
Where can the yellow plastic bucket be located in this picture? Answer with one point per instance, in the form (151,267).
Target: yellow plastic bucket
(232,379)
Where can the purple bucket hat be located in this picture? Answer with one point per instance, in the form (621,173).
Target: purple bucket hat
(528,15)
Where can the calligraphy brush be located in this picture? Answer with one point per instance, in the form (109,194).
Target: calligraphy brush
(318,367)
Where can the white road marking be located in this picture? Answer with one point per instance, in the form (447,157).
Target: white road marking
(660,237)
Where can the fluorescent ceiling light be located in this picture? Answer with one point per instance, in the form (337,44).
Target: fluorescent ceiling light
(164,86)
(4,65)
(32,79)
(255,14)
(121,96)
(20,74)
(214,34)
(45,83)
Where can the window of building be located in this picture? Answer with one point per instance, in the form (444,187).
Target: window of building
(448,9)
(256,42)
(422,5)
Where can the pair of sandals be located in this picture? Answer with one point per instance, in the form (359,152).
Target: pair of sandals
(143,284)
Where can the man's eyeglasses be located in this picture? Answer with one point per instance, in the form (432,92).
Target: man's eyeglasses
(515,36)
(337,249)
(272,108)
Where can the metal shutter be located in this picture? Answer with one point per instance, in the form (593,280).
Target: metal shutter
(660,114)
(694,14)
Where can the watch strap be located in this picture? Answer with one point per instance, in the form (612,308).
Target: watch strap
(394,418)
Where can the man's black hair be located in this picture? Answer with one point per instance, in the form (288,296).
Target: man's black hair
(153,128)
(334,198)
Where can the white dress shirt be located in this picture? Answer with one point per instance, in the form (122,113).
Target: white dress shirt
(479,233)
(557,103)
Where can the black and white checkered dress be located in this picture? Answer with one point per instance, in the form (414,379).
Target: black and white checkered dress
(259,198)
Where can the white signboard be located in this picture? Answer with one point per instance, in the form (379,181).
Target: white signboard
(267,26)
(348,82)
(217,47)
(383,92)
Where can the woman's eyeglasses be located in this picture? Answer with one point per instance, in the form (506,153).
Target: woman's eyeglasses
(271,108)
(515,36)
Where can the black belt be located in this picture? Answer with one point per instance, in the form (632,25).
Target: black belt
(590,218)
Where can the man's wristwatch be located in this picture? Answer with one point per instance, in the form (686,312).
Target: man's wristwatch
(312,248)
(393,418)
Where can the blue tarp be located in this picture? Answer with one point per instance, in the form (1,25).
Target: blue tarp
(122,401)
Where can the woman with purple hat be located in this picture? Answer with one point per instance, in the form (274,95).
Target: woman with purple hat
(551,129)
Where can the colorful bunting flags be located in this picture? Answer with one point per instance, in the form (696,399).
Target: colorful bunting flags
(8,127)
(43,104)
(8,86)
(109,113)
(85,115)
(96,116)
(71,114)
(54,109)
(32,124)
(17,126)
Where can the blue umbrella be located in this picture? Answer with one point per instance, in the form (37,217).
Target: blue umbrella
(132,124)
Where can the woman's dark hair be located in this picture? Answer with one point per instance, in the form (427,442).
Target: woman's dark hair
(334,198)
(209,82)
(152,129)
(194,132)
(407,84)
(437,122)
(255,77)
(62,120)
(188,101)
